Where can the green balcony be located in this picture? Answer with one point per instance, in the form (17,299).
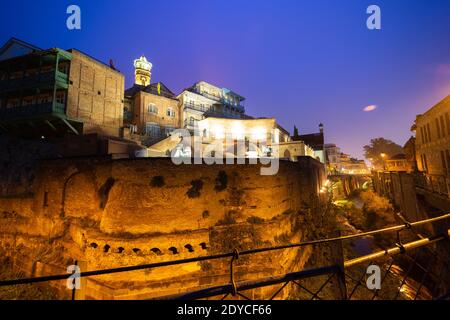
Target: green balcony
(32,111)
(43,80)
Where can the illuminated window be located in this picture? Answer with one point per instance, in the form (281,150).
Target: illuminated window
(152,108)
(170,112)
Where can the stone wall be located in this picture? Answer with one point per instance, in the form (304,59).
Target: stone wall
(108,213)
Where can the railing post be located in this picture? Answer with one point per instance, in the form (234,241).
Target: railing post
(80,294)
(74,281)
(339,261)
(232,280)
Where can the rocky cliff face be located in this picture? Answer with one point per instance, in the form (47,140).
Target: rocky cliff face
(107,213)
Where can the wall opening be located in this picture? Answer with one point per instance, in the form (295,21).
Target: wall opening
(106,248)
(173,250)
(45,199)
(120,249)
(189,248)
(157,182)
(156,251)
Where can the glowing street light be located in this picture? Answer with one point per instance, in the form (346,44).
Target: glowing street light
(383,156)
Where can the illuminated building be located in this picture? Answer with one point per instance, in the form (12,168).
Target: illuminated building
(204,100)
(399,163)
(315,141)
(151,110)
(57,92)
(249,138)
(432,145)
(333,158)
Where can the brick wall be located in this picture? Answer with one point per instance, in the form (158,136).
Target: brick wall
(95,95)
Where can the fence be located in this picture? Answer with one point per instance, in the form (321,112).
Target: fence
(341,275)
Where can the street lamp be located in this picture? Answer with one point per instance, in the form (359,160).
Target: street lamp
(383,156)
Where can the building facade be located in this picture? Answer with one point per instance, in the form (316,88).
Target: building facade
(151,111)
(399,163)
(432,145)
(236,138)
(204,100)
(333,158)
(352,166)
(316,141)
(57,92)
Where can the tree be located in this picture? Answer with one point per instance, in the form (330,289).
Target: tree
(295,131)
(381,149)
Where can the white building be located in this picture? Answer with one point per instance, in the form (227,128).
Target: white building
(204,100)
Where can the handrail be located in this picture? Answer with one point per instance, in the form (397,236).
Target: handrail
(404,226)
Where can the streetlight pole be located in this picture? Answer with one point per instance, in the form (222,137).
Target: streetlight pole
(383,156)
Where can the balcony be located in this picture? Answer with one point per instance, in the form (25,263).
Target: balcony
(127,116)
(41,80)
(31,111)
(438,184)
(195,107)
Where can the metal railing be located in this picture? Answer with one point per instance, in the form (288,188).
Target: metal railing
(435,183)
(235,289)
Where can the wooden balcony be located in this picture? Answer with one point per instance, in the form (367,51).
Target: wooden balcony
(31,111)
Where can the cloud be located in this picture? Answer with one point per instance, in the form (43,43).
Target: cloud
(370,108)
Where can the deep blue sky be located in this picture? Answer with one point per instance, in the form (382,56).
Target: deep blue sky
(303,62)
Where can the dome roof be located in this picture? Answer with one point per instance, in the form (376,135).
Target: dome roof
(143,63)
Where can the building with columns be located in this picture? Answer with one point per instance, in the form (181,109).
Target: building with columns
(204,100)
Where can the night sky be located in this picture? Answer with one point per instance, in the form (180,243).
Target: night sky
(303,62)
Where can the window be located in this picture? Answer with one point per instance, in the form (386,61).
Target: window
(447,155)
(447,121)
(169,129)
(152,129)
(60,97)
(424,163)
(27,101)
(428,132)
(170,112)
(152,108)
(441,118)
(63,67)
(44,99)
(444,165)
(438,127)
(421,135)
